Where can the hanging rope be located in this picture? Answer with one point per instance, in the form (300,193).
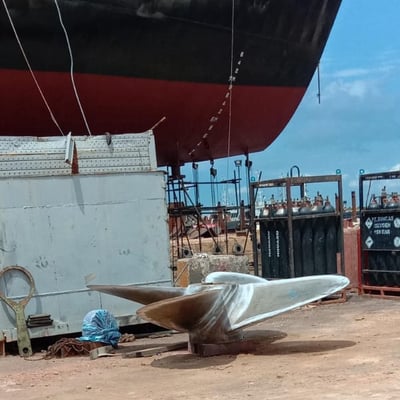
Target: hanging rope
(213,175)
(195,170)
(231,80)
(53,118)
(72,68)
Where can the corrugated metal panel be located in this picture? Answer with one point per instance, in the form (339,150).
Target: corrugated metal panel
(32,156)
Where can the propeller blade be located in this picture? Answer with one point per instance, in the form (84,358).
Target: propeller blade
(140,294)
(181,313)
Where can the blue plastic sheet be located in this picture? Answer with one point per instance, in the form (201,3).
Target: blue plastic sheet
(100,326)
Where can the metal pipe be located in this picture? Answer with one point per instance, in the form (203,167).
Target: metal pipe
(353,206)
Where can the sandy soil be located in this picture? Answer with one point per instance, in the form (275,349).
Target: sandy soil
(342,351)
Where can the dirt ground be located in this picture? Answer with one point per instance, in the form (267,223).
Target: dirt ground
(341,351)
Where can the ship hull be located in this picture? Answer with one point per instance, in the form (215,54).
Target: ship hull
(135,63)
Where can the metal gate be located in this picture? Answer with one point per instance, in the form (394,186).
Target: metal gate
(380,232)
(298,237)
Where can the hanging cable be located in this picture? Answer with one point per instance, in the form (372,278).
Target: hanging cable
(231,80)
(53,118)
(213,174)
(319,85)
(72,68)
(195,170)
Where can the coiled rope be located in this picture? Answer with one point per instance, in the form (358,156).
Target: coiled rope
(67,347)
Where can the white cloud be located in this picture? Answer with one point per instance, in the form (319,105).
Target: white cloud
(353,184)
(352,72)
(357,88)
(385,67)
(390,58)
(395,167)
(359,83)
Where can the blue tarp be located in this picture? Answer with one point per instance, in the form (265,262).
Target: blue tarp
(100,326)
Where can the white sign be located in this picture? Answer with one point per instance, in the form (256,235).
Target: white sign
(369,242)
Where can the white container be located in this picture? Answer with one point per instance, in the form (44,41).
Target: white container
(100,218)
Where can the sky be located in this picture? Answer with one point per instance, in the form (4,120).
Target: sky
(356,126)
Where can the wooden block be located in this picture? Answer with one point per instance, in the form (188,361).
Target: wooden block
(217,349)
(352,255)
(3,347)
(151,351)
(104,351)
(182,272)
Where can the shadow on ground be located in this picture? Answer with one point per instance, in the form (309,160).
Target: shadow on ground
(266,344)
(302,346)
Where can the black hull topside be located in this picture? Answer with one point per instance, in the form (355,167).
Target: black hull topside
(227,75)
